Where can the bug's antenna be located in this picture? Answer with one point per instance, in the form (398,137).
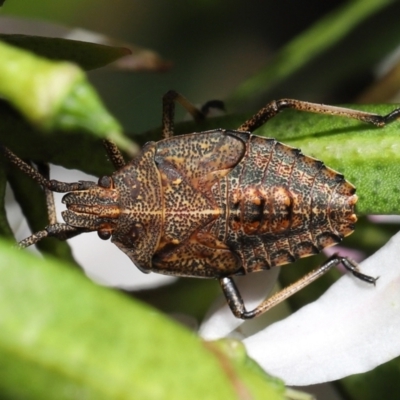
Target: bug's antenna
(52,184)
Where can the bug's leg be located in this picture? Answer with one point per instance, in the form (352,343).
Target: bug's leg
(276,106)
(236,303)
(353,267)
(168,114)
(114,154)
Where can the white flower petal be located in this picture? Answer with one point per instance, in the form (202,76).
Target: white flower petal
(352,328)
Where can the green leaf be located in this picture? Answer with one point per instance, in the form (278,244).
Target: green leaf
(63,337)
(67,148)
(87,55)
(232,354)
(55,95)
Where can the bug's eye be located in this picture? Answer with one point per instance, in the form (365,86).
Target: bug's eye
(104,234)
(105,182)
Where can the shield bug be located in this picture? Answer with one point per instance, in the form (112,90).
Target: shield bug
(215,204)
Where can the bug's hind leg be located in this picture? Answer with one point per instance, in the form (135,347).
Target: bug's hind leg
(275,107)
(236,303)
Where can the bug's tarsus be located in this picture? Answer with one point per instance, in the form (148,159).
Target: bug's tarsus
(393,116)
(353,267)
(236,303)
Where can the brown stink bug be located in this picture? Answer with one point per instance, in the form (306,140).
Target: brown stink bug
(215,204)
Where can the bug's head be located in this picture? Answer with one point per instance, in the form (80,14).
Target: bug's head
(94,209)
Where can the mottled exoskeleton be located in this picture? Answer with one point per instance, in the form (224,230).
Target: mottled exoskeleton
(216,204)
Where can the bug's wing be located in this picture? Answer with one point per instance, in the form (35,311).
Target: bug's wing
(202,158)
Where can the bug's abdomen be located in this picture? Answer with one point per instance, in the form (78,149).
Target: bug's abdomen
(281,205)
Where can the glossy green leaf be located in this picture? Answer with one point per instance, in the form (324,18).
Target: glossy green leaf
(63,337)
(87,55)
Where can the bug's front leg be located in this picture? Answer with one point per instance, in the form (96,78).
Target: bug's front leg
(236,303)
